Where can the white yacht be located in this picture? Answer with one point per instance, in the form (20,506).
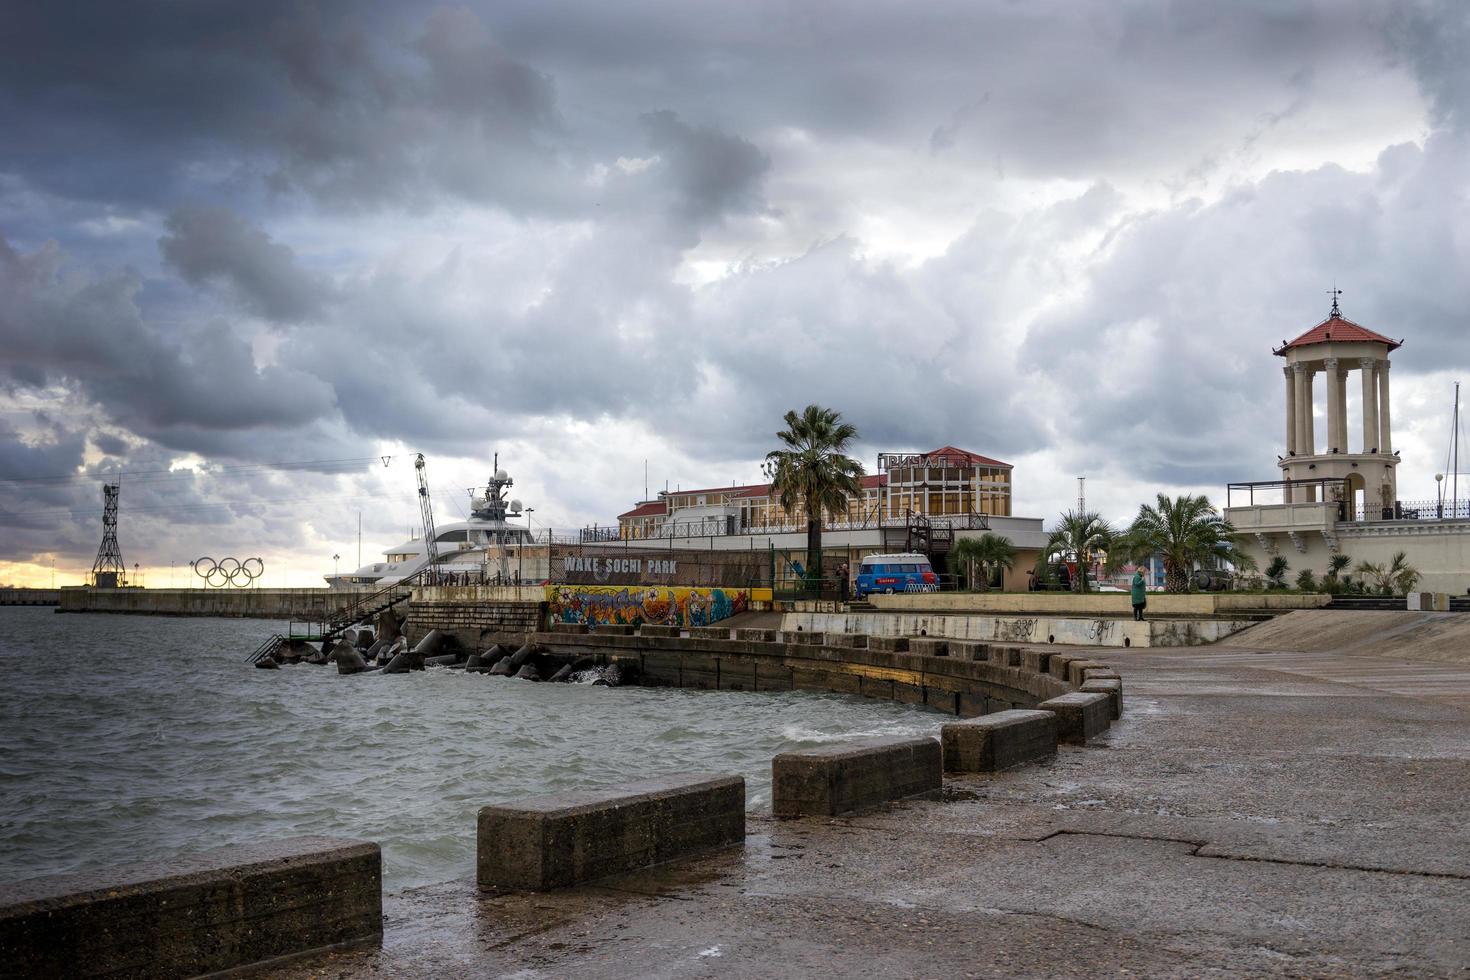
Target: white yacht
(470,551)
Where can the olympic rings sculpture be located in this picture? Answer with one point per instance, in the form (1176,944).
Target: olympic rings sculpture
(228,571)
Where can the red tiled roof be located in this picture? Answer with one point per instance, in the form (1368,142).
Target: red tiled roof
(1336,328)
(965,455)
(655,509)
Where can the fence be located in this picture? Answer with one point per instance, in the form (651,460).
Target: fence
(1418,510)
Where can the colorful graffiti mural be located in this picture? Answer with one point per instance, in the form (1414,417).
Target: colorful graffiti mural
(636,605)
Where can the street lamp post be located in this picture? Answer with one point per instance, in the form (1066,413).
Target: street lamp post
(521,551)
(336,579)
(1439,495)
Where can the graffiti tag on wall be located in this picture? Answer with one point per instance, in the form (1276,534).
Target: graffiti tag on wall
(636,605)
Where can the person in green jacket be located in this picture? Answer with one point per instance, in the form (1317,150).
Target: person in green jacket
(1140,594)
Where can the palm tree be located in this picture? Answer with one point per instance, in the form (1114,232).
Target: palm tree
(1276,572)
(1080,534)
(1337,564)
(1184,531)
(1397,577)
(814,473)
(989,551)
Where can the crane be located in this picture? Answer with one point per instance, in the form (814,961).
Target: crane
(430,547)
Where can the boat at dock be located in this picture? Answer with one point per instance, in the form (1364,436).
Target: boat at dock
(466,549)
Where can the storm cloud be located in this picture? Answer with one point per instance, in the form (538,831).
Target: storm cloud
(584,235)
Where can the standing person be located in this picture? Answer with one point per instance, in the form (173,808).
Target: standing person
(1140,594)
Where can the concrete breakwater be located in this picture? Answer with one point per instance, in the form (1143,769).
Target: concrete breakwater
(961,678)
(306,605)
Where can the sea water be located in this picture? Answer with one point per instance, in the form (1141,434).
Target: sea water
(125,738)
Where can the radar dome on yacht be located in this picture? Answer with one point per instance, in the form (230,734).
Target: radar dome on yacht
(501,475)
(515,505)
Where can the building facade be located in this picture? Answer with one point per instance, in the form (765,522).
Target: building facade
(946,482)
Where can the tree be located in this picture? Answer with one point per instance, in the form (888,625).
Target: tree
(1276,572)
(989,551)
(1397,577)
(814,473)
(1306,581)
(1184,531)
(1079,535)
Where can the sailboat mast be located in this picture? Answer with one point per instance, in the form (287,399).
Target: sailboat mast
(1455,457)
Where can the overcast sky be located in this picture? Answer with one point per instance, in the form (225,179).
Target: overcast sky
(586,235)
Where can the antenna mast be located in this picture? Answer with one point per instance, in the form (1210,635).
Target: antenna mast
(108,571)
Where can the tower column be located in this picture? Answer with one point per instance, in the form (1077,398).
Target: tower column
(1309,424)
(1342,402)
(1334,405)
(1385,439)
(1300,412)
(1370,406)
(1291,423)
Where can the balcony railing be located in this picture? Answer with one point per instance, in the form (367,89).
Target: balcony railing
(1418,510)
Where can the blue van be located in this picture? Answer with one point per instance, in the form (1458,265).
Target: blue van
(895,573)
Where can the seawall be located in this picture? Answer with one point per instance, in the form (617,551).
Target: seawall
(299,604)
(1026,628)
(955,684)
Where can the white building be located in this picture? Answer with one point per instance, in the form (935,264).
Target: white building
(1338,492)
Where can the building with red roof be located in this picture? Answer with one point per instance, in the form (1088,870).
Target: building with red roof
(944,481)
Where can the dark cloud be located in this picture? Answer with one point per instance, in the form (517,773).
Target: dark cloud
(216,246)
(87,333)
(709,172)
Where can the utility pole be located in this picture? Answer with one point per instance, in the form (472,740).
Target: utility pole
(359,538)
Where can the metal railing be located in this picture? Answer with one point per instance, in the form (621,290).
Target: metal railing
(1418,510)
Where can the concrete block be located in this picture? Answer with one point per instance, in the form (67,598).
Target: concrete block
(968,650)
(709,632)
(1057,665)
(1080,715)
(563,839)
(1005,656)
(853,641)
(999,741)
(855,775)
(613,629)
(568,627)
(808,637)
(755,635)
(1100,673)
(928,646)
(1112,687)
(1036,661)
(201,913)
(650,630)
(890,644)
(1076,667)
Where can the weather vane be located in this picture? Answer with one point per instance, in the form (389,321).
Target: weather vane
(1334,292)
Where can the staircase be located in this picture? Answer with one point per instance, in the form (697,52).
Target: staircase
(361,608)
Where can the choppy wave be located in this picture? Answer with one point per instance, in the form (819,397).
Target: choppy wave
(132,737)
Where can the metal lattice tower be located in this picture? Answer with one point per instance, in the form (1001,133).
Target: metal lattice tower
(108,570)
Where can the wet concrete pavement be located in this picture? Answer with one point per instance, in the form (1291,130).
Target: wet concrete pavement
(1251,814)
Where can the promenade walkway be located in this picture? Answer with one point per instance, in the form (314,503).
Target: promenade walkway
(1254,813)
